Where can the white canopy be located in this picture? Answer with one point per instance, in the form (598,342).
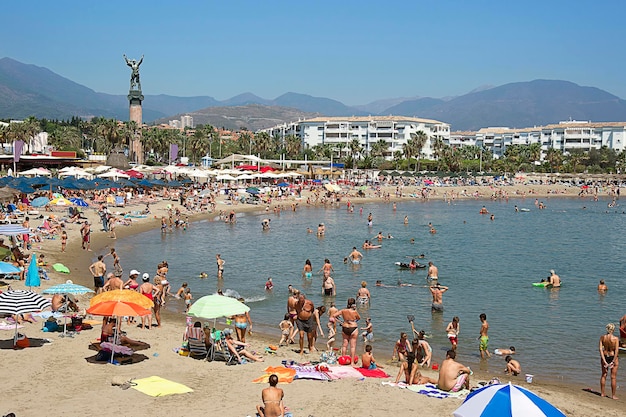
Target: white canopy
(35,172)
(115,174)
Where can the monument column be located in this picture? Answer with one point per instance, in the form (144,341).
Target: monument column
(135,115)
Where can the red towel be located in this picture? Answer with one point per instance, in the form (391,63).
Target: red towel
(372,373)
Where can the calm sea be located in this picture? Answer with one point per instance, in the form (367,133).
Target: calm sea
(488,265)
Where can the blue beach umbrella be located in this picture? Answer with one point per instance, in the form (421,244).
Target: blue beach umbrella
(284,184)
(68,287)
(32,275)
(40,202)
(79,202)
(506,401)
(8,268)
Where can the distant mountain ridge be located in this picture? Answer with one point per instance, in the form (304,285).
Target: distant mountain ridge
(29,90)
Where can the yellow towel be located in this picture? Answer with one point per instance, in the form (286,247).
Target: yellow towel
(155,386)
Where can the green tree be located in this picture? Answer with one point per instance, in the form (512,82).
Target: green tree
(417,141)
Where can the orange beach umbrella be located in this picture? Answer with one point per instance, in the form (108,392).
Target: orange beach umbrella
(118,309)
(127,296)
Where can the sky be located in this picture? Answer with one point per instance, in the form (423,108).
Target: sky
(352,51)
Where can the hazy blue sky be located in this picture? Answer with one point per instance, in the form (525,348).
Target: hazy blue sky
(352,51)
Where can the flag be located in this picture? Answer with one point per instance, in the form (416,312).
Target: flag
(18,145)
(173,151)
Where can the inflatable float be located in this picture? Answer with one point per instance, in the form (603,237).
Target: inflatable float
(405,265)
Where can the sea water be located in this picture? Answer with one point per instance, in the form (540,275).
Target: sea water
(488,265)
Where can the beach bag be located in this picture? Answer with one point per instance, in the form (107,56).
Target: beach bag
(51,325)
(22,341)
(344,360)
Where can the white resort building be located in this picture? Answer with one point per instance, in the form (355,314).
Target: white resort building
(564,136)
(340,131)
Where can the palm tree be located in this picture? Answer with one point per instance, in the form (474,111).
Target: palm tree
(418,140)
(355,150)
(379,148)
(293,145)
(554,158)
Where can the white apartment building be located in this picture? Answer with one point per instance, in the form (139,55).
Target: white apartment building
(340,131)
(186,121)
(564,136)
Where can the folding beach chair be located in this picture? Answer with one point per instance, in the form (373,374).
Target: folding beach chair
(197,349)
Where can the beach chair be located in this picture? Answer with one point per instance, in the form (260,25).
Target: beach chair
(197,349)
(119,201)
(219,349)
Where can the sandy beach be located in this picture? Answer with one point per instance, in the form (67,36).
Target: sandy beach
(60,378)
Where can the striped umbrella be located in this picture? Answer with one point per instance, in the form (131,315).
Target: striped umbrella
(13,230)
(67,288)
(506,401)
(20,302)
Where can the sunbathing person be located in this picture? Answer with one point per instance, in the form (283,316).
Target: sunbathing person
(196,332)
(272,397)
(108,334)
(238,348)
(411,373)
(63,303)
(452,375)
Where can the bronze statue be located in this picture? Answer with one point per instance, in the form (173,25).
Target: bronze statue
(134,76)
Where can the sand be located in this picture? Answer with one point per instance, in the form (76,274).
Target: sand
(58,379)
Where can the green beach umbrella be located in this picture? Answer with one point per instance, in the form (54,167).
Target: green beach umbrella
(216,306)
(61,268)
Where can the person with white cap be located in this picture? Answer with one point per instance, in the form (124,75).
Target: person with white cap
(555,280)
(146,289)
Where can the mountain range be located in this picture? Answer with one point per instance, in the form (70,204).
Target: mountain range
(29,90)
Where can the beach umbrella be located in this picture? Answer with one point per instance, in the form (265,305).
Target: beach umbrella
(40,201)
(8,268)
(118,309)
(60,201)
(252,190)
(79,202)
(20,302)
(4,253)
(284,184)
(32,274)
(8,193)
(127,296)
(61,268)
(216,306)
(506,401)
(67,288)
(13,230)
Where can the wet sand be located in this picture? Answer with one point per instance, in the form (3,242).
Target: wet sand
(58,379)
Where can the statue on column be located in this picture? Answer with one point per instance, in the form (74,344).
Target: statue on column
(135,84)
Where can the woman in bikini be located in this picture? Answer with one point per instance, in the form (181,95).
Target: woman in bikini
(146,289)
(402,347)
(349,327)
(411,373)
(307,271)
(243,324)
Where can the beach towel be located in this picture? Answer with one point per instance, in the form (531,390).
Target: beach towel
(155,386)
(285,375)
(309,372)
(6,326)
(340,372)
(431,390)
(372,373)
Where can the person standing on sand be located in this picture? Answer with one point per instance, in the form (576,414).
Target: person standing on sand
(305,322)
(349,328)
(98,269)
(609,359)
(484,337)
(85,232)
(146,289)
(220,266)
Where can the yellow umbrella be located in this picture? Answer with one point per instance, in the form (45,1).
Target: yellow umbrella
(60,201)
(128,296)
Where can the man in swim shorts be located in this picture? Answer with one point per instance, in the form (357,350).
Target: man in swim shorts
(355,255)
(98,269)
(452,375)
(437,291)
(433,272)
(305,321)
(484,337)
(220,266)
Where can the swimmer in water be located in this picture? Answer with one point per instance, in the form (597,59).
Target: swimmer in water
(307,271)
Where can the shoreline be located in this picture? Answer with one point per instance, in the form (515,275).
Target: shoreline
(561,394)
